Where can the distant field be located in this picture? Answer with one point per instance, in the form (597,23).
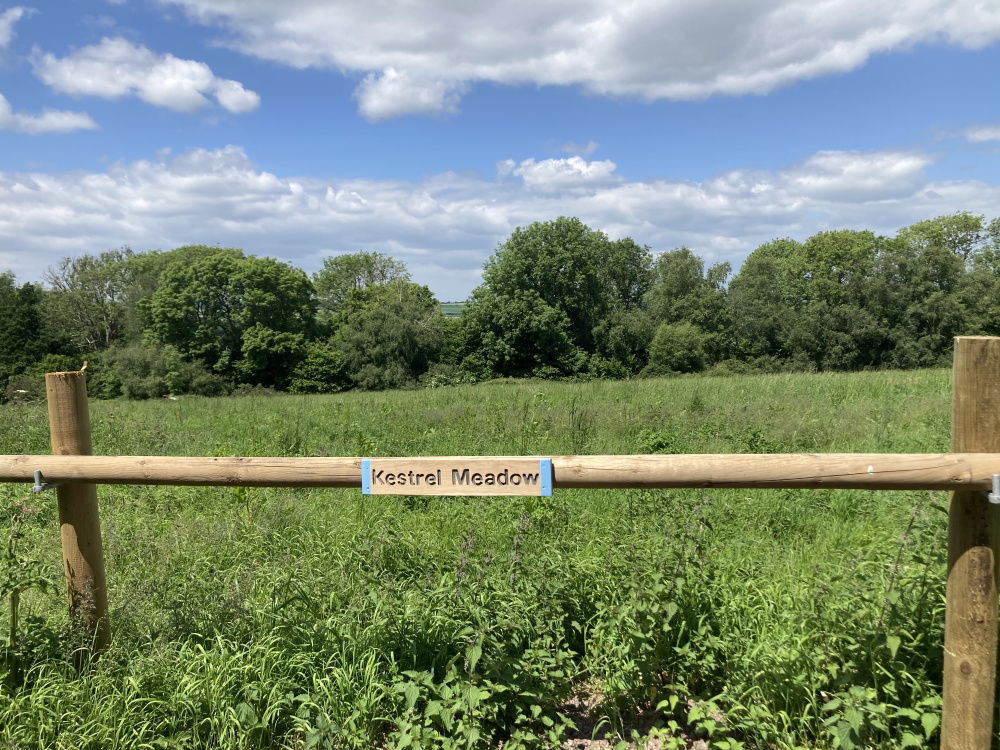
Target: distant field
(452,309)
(288,618)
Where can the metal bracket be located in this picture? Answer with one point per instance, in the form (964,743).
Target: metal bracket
(994,496)
(39,487)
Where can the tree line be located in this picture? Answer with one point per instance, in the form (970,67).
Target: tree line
(558,300)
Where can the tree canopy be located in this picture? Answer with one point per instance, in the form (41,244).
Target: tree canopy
(558,299)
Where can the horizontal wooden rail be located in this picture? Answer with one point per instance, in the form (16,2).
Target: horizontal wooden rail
(872,471)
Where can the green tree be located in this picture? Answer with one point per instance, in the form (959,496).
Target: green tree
(677,347)
(559,263)
(758,308)
(246,317)
(518,335)
(684,292)
(342,274)
(90,298)
(393,333)
(828,263)
(621,336)
(961,233)
(320,370)
(22,339)
(553,293)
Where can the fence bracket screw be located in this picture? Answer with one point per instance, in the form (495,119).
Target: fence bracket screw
(39,487)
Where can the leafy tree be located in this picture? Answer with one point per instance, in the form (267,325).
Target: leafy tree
(621,342)
(560,264)
(554,292)
(677,347)
(90,297)
(961,233)
(682,291)
(758,307)
(518,335)
(824,268)
(393,334)
(342,274)
(626,273)
(22,340)
(320,370)
(246,317)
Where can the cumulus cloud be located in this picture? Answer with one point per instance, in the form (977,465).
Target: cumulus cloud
(391,94)
(420,55)
(49,121)
(116,68)
(565,174)
(983,133)
(445,226)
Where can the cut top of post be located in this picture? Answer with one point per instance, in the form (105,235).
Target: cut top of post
(69,415)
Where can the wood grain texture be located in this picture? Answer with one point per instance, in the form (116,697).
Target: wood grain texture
(887,471)
(79,520)
(970,641)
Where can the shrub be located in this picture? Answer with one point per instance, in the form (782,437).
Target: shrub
(321,370)
(191,377)
(141,370)
(677,347)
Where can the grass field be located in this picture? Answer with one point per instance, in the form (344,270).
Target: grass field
(452,309)
(313,619)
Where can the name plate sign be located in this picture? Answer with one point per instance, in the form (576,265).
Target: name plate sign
(456,476)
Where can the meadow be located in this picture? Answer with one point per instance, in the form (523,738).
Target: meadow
(452,309)
(291,618)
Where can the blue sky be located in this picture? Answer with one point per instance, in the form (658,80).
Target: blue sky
(430,130)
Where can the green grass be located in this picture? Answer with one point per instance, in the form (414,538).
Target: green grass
(321,618)
(452,309)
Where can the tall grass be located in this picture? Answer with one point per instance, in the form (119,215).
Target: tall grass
(253,618)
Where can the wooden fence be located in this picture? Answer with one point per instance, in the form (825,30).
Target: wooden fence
(970,647)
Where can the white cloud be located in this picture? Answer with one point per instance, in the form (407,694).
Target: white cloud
(983,133)
(116,68)
(565,174)
(419,55)
(585,149)
(392,94)
(7,20)
(445,226)
(859,176)
(49,121)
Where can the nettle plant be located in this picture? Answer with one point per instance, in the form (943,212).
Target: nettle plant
(20,572)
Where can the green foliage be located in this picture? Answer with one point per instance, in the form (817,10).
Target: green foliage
(321,370)
(342,274)
(21,341)
(245,317)
(518,335)
(285,618)
(961,233)
(568,268)
(683,292)
(622,339)
(20,573)
(143,372)
(392,335)
(92,298)
(677,347)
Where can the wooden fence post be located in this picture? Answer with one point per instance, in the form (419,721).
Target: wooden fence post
(970,631)
(80,525)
